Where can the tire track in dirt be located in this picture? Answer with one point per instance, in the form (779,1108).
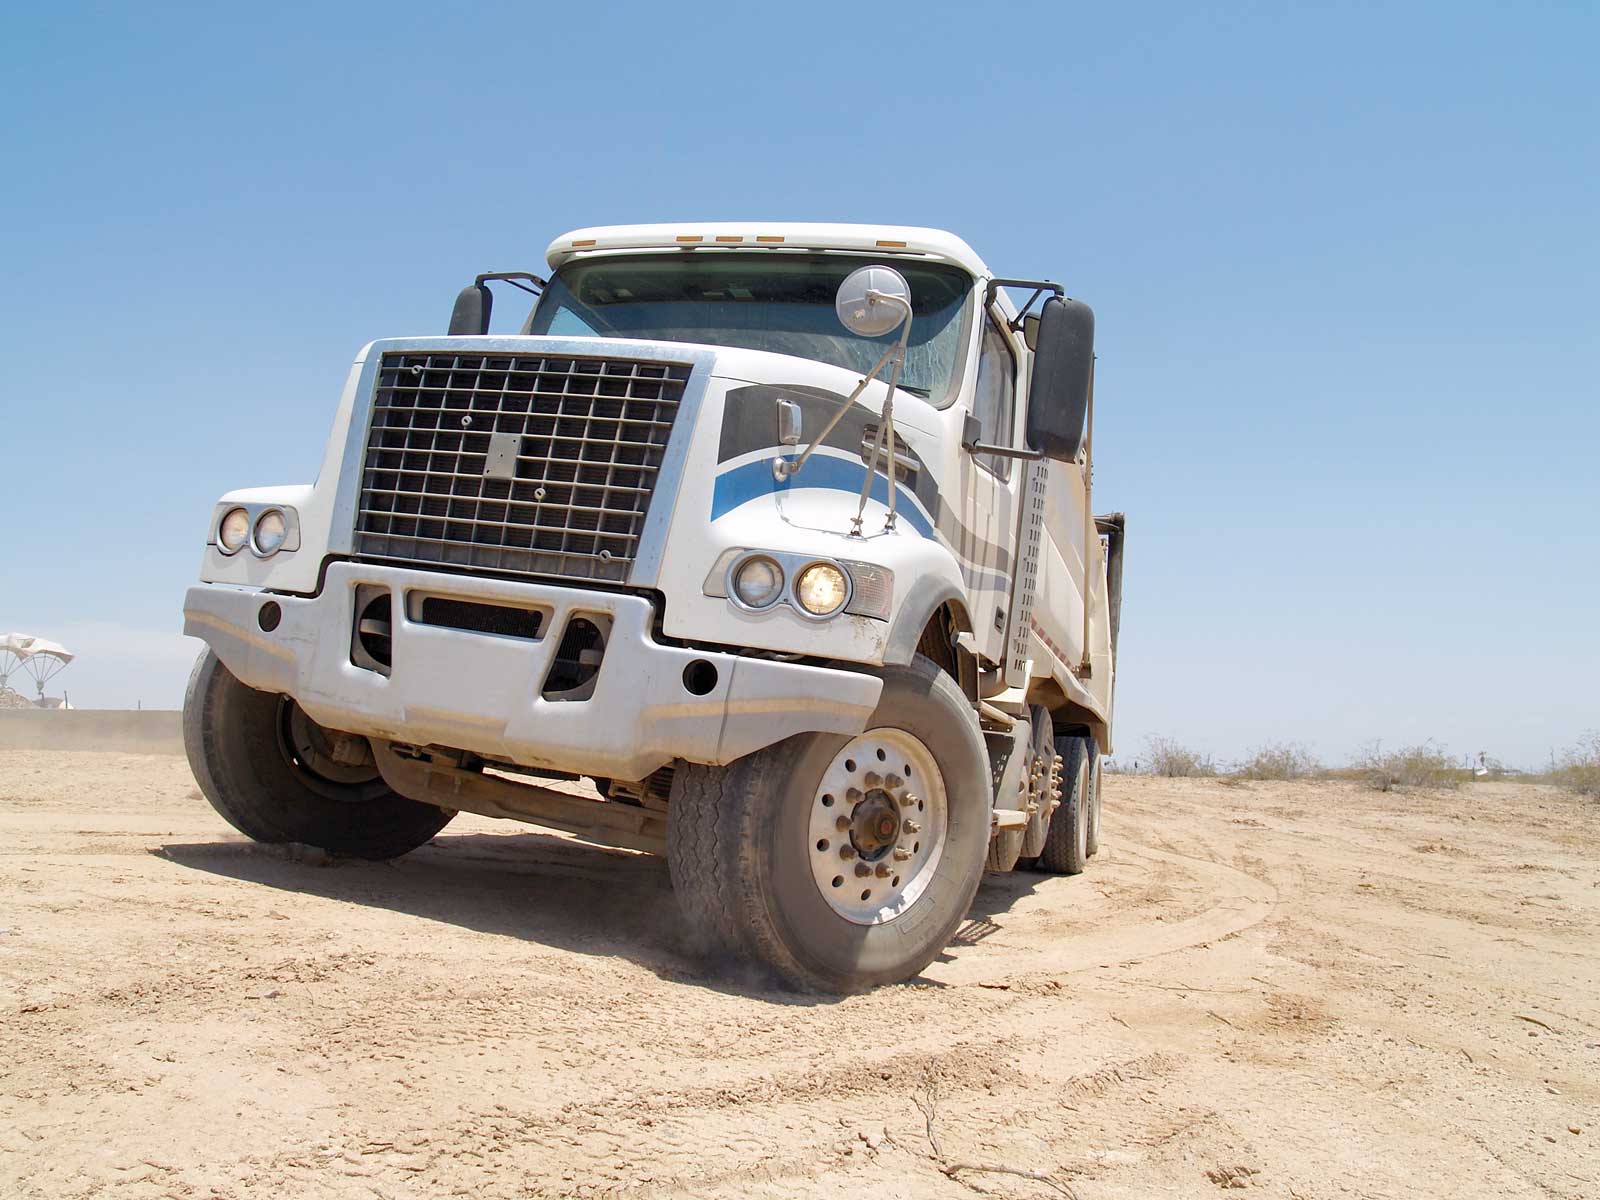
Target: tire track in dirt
(1241,901)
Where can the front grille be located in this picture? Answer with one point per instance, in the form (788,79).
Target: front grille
(525,464)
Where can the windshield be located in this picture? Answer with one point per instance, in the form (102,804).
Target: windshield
(764,300)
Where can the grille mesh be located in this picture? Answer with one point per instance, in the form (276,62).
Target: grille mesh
(588,433)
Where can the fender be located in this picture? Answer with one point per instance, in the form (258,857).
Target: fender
(924,598)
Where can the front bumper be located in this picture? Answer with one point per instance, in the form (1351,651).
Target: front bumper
(482,692)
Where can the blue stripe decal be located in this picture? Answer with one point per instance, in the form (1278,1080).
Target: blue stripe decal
(754,480)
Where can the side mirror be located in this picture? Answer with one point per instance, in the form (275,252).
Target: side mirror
(1063,378)
(471,313)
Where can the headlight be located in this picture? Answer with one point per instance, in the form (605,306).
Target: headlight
(233,530)
(821,589)
(270,532)
(758,582)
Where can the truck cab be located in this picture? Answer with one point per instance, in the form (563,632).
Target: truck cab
(781,534)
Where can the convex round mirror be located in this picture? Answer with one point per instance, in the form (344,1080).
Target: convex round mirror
(867,315)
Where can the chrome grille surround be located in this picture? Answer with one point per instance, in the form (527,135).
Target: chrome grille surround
(590,434)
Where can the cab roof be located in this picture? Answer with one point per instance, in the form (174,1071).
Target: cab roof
(896,240)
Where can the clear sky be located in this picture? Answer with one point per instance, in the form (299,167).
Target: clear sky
(1343,261)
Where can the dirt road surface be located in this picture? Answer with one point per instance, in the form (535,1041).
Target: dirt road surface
(1296,990)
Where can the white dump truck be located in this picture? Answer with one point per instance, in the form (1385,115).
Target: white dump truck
(779,533)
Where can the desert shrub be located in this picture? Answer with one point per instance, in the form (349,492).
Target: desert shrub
(1175,761)
(1579,767)
(1421,766)
(1278,760)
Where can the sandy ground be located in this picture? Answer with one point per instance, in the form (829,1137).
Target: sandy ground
(1299,990)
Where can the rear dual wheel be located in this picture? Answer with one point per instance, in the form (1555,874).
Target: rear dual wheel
(840,863)
(1075,828)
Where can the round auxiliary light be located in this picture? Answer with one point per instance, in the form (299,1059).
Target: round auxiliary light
(822,589)
(758,582)
(233,531)
(270,532)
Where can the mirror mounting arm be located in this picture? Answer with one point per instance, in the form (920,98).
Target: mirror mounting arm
(512,277)
(884,442)
(1039,286)
(1003,451)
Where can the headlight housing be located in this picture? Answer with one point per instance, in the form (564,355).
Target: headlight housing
(271,530)
(821,589)
(233,531)
(758,582)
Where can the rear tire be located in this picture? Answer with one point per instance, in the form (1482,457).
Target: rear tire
(1042,794)
(826,860)
(1092,839)
(1066,848)
(264,766)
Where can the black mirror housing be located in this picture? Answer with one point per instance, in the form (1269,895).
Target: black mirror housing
(1063,378)
(471,313)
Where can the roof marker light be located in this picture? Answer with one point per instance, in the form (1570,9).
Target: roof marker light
(729,237)
(690,237)
(886,244)
(768,237)
(583,242)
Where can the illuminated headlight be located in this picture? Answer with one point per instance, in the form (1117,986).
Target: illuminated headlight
(233,531)
(758,582)
(822,589)
(271,529)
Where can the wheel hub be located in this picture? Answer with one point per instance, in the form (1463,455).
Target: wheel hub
(877,826)
(874,824)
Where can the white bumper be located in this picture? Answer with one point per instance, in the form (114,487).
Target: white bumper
(481,692)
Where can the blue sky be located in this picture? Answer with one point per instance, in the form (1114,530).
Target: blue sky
(1343,263)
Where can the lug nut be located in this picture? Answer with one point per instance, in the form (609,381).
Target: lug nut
(912,827)
(882,871)
(862,870)
(853,795)
(847,852)
(893,782)
(872,779)
(842,824)
(901,854)
(908,801)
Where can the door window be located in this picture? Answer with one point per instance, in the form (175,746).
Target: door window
(995,400)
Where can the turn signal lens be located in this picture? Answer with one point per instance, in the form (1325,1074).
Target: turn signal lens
(233,530)
(758,582)
(270,532)
(821,589)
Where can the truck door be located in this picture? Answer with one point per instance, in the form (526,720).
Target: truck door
(989,492)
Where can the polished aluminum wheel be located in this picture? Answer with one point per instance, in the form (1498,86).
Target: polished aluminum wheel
(878,824)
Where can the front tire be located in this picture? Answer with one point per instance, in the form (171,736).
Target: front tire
(840,863)
(269,770)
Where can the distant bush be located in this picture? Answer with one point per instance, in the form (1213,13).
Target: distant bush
(1579,767)
(1279,760)
(1170,759)
(1422,766)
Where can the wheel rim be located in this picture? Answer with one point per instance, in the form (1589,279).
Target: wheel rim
(879,818)
(308,749)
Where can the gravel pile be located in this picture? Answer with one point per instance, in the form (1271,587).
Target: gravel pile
(10,699)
